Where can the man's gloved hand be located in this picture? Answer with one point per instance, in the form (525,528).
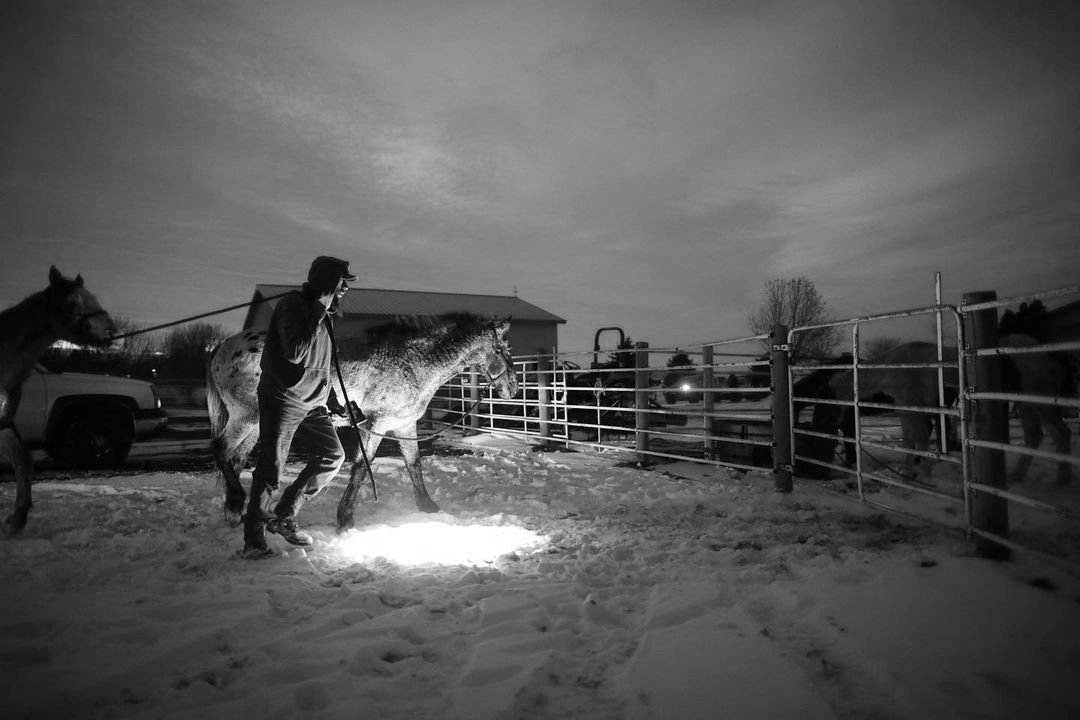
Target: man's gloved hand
(337,409)
(334,405)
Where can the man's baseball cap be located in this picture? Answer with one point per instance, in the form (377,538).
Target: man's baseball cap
(326,271)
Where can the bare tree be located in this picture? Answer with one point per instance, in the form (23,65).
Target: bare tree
(188,346)
(140,345)
(796,302)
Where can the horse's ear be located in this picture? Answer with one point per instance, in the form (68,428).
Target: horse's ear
(54,275)
(78,280)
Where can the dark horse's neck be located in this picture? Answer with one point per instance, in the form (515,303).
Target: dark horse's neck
(25,333)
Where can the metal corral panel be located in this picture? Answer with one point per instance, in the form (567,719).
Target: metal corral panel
(751,420)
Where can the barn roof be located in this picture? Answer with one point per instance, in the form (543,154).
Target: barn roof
(360,302)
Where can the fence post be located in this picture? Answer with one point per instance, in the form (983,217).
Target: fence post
(543,396)
(991,422)
(781,410)
(474,399)
(708,400)
(641,400)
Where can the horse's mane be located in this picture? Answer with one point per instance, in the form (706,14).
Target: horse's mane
(61,287)
(442,335)
(32,304)
(410,326)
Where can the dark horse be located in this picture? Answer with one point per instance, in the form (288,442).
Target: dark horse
(912,387)
(1046,374)
(65,310)
(391,373)
(1040,374)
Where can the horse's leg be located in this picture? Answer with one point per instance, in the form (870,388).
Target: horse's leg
(410,451)
(847,429)
(234,488)
(1059,431)
(346,508)
(230,451)
(12,448)
(952,440)
(914,435)
(1033,435)
(924,425)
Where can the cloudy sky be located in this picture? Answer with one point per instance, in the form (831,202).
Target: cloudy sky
(641,163)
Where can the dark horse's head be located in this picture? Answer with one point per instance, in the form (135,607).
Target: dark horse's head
(498,365)
(75,314)
(1027,320)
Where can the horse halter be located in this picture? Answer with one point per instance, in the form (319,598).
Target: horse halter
(82,317)
(499,365)
(79,318)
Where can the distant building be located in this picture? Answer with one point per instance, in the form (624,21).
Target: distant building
(532,329)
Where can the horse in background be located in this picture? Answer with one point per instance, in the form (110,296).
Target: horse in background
(391,374)
(1040,374)
(915,387)
(65,310)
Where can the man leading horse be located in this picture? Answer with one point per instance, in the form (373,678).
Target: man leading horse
(293,393)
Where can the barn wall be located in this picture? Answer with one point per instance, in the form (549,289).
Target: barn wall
(260,316)
(526,336)
(531,337)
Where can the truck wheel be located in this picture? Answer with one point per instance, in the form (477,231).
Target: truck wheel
(89,442)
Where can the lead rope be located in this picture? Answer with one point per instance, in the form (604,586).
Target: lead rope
(133,333)
(348,407)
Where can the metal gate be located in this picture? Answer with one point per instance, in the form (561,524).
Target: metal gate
(887,400)
(980,482)
(723,415)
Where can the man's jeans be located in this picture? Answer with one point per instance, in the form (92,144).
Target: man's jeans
(280,423)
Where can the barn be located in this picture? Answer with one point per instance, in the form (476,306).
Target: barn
(532,329)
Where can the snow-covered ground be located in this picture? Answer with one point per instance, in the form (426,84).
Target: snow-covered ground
(560,585)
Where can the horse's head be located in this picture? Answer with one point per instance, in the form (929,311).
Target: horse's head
(498,365)
(75,314)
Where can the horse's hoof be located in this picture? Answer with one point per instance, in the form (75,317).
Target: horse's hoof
(426,505)
(233,517)
(14,524)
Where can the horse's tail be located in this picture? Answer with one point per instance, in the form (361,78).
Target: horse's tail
(218,411)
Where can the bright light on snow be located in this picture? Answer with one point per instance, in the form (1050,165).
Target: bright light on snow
(439,543)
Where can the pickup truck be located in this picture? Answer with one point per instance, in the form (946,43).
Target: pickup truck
(87,420)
